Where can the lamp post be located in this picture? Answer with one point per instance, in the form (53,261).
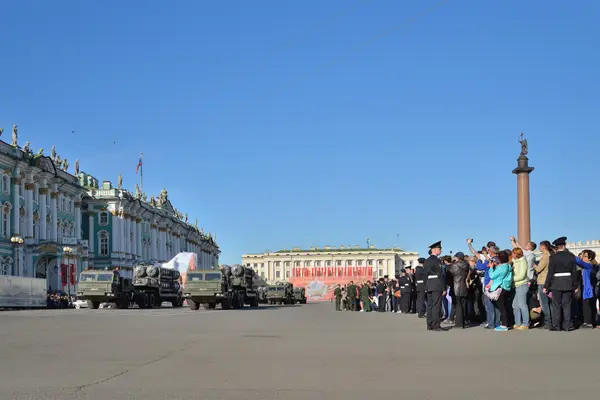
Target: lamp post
(68,252)
(17,242)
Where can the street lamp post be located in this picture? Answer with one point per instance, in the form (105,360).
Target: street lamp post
(68,251)
(17,242)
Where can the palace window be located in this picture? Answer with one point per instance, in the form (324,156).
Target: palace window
(35,228)
(349,263)
(277,263)
(307,263)
(297,263)
(285,264)
(22,190)
(369,262)
(317,263)
(103,218)
(338,263)
(6,219)
(287,274)
(22,226)
(328,263)
(64,205)
(277,274)
(103,240)
(359,263)
(6,184)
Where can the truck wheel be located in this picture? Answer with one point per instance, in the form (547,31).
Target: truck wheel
(225,304)
(93,304)
(177,303)
(151,300)
(212,306)
(123,304)
(193,305)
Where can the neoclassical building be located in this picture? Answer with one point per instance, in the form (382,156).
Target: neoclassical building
(578,247)
(55,223)
(288,264)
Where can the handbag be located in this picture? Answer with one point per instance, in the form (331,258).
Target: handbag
(493,295)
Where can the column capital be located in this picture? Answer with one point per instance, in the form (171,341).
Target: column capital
(77,204)
(43,191)
(138,219)
(54,195)
(90,213)
(29,186)
(16,181)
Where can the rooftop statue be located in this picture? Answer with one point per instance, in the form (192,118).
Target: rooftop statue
(163,196)
(15,135)
(152,201)
(40,152)
(76,167)
(53,154)
(144,197)
(120,181)
(26,148)
(1,131)
(186,218)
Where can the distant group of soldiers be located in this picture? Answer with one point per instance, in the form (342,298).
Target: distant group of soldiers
(403,294)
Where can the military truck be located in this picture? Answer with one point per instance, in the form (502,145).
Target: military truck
(208,287)
(280,293)
(155,285)
(243,289)
(299,295)
(262,294)
(150,287)
(104,287)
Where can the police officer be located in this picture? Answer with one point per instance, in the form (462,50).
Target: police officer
(435,287)
(351,296)
(404,282)
(562,281)
(420,278)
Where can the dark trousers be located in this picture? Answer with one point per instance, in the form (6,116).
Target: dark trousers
(413,302)
(421,303)
(501,303)
(590,314)
(434,309)
(452,306)
(405,303)
(561,310)
(381,302)
(461,311)
(352,303)
(396,303)
(338,304)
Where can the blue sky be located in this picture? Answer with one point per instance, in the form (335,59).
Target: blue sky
(271,123)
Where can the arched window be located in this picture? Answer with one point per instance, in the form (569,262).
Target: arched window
(103,241)
(6,209)
(6,184)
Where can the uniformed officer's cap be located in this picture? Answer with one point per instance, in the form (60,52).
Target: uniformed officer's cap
(402,270)
(436,245)
(421,260)
(561,241)
(408,267)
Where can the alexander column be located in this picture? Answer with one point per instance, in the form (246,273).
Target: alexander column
(523,207)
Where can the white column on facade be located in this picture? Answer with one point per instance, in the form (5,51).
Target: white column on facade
(43,209)
(77,219)
(54,213)
(153,243)
(29,186)
(128,225)
(16,203)
(91,233)
(138,228)
(134,237)
(115,232)
(122,234)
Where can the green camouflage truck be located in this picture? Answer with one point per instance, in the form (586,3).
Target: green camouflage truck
(280,293)
(208,287)
(243,288)
(150,287)
(299,295)
(105,287)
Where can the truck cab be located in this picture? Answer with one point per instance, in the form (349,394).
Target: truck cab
(104,287)
(207,287)
(280,294)
(299,295)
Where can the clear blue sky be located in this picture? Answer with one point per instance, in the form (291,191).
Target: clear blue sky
(414,134)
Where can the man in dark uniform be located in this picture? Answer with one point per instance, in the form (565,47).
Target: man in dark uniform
(381,287)
(352,296)
(404,282)
(435,287)
(412,307)
(338,298)
(420,278)
(562,282)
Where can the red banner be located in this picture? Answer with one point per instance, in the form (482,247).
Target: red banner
(320,282)
(73,274)
(63,274)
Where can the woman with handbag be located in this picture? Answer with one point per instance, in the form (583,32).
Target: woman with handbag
(498,290)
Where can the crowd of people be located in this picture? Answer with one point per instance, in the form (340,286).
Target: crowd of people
(518,288)
(59,300)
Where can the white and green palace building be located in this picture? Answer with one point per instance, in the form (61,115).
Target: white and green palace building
(51,219)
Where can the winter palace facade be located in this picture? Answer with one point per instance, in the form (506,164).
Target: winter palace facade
(56,223)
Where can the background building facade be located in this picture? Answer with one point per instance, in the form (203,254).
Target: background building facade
(55,224)
(578,247)
(329,262)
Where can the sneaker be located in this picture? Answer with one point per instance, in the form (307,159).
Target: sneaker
(523,328)
(501,329)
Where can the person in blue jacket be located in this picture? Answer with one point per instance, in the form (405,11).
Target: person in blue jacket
(501,276)
(590,269)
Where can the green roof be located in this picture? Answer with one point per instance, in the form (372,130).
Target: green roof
(362,249)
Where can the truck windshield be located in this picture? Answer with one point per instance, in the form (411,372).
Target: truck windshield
(105,277)
(210,276)
(96,277)
(276,289)
(195,276)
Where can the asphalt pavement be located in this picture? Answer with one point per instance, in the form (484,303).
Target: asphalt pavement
(288,352)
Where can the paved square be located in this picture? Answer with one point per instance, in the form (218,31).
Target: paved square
(296,352)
